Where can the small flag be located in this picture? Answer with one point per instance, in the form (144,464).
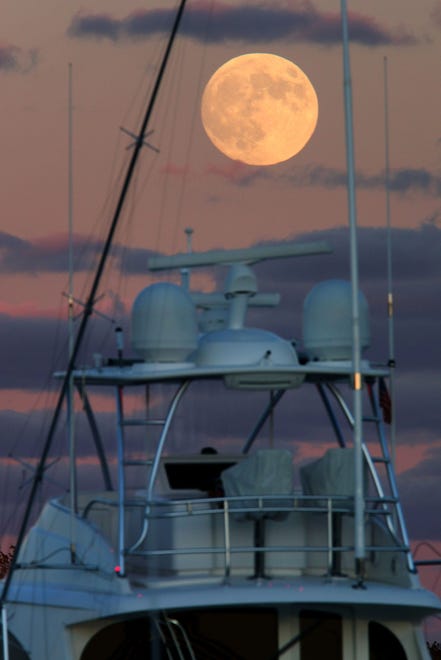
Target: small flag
(385,402)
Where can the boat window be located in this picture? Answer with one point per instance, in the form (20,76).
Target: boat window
(236,633)
(125,639)
(321,635)
(209,634)
(383,644)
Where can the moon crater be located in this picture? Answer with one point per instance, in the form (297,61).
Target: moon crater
(259,108)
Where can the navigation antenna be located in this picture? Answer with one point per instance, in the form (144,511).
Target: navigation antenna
(185,272)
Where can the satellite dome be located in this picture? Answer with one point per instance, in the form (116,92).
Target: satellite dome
(164,327)
(246,346)
(327,321)
(261,358)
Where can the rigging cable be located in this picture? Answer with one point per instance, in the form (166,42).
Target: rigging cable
(89,305)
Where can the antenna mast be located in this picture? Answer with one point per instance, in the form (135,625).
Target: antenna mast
(390,298)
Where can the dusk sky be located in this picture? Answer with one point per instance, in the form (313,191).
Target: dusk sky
(115,48)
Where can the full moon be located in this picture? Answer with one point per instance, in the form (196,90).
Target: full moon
(259,108)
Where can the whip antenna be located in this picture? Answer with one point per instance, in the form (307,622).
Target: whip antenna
(390,299)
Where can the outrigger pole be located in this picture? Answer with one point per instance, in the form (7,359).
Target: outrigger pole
(359,540)
(88,307)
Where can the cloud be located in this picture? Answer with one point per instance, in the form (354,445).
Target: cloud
(411,179)
(417,273)
(44,255)
(38,347)
(50,255)
(220,22)
(416,253)
(435,15)
(19,334)
(421,496)
(401,181)
(17,60)
(98,26)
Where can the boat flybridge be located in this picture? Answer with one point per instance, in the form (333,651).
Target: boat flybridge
(230,550)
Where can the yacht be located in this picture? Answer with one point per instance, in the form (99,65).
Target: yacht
(209,536)
(233,550)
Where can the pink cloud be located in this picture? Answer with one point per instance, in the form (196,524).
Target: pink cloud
(28,310)
(175,170)
(232,171)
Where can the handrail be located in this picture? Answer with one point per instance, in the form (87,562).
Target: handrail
(251,508)
(157,459)
(240,505)
(219,503)
(228,545)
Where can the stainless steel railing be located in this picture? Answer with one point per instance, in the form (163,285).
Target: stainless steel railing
(323,513)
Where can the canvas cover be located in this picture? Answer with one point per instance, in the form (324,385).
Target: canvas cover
(266,472)
(333,474)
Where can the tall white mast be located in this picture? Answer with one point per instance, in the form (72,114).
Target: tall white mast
(359,540)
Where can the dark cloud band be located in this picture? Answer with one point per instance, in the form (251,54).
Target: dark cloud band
(216,22)
(17,60)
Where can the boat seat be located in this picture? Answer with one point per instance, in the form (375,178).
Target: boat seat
(332,476)
(264,474)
